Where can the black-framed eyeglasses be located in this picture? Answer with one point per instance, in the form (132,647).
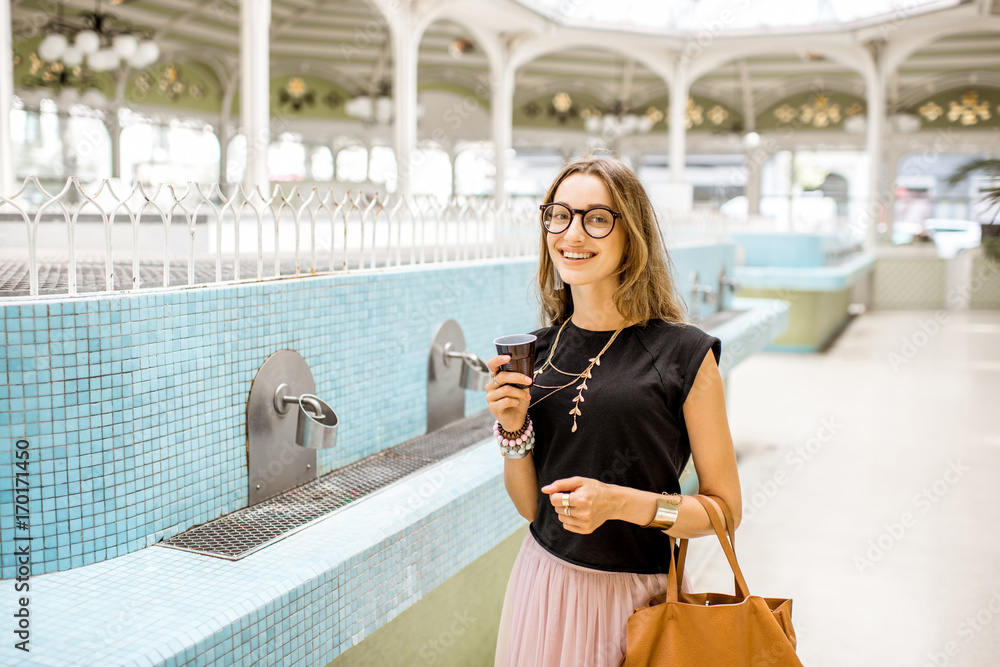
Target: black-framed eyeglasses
(597,222)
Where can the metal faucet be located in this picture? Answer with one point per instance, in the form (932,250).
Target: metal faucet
(700,292)
(474,370)
(724,282)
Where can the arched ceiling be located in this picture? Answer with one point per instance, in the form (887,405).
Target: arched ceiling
(974,57)
(346,43)
(350,36)
(603,74)
(692,16)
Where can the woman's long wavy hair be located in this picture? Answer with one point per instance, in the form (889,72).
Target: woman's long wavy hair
(646,288)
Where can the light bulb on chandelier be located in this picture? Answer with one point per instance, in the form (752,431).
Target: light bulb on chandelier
(98,39)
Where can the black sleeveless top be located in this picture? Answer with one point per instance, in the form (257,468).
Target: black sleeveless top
(630,432)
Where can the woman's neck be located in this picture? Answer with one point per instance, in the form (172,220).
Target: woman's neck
(594,309)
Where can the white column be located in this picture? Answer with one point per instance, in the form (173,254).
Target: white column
(679,195)
(115,134)
(255,22)
(791,190)
(404,95)
(755,159)
(453,156)
(225,130)
(891,174)
(502,94)
(678,128)
(222,134)
(6,99)
(877,197)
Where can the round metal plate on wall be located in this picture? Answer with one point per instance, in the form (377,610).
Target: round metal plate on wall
(274,461)
(445,396)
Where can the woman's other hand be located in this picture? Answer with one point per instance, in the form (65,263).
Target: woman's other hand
(509,404)
(591,503)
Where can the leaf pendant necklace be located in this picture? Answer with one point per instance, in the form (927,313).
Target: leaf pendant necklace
(585,375)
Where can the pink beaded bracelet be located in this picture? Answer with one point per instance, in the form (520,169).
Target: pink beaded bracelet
(515,445)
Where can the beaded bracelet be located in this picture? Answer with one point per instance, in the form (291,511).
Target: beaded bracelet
(514,434)
(515,445)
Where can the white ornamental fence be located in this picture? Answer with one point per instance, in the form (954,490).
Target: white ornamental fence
(107,237)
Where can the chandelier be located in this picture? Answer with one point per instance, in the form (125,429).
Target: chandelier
(71,84)
(374,108)
(101,38)
(619,122)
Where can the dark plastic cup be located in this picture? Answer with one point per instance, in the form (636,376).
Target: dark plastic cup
(521,348)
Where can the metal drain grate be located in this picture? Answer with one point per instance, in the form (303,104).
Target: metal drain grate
(241,533)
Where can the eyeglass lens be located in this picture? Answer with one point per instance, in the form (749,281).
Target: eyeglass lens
(597,221)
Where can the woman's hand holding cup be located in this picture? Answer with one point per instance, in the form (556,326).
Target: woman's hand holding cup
(507,402)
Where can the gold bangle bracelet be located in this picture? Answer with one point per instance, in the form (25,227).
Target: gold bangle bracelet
(667,507)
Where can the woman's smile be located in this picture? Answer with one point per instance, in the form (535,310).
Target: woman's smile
(575,257)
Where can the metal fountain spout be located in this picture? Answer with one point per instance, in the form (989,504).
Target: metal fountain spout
(725,282)
(451,370)
(701,293)
(474,373)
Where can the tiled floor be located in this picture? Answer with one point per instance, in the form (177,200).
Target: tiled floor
(884,527)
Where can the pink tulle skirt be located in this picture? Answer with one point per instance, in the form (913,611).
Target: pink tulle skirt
(556,614)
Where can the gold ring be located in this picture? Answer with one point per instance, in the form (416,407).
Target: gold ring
(565,500)
(566,510)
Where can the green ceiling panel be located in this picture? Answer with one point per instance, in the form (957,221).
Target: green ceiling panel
(303,96)
(706,115)
(459,90)
(968,108)
(540,112)
(181,86)
(811,110)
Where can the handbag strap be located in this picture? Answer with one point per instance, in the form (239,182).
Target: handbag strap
(725,535)
(683,542)
(709,502)
(681,556)
(730,523)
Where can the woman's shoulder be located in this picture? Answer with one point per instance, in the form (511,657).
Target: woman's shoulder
(542,331)
(671,337)
(669,330)
(678,350)
(544,334)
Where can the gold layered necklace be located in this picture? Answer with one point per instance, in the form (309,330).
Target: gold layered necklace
(584,376)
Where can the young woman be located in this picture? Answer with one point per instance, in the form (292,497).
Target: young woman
(624,392)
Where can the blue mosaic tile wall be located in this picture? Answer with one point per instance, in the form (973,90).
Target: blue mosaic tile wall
(134,405)
(300,601)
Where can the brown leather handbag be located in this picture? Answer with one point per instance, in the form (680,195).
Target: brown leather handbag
(688,629)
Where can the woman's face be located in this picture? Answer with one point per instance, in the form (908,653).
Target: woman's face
(592,261)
